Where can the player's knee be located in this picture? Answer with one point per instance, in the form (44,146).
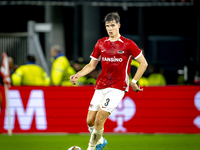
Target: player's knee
(90,122)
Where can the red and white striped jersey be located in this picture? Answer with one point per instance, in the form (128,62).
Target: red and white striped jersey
(115,59)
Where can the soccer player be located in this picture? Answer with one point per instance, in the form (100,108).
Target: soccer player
(115,53)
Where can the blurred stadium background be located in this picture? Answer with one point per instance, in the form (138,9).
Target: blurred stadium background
(167,30)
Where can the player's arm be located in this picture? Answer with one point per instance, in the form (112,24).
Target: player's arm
(140,71)
(86,70)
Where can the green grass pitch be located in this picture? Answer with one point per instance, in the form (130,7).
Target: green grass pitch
(115,141)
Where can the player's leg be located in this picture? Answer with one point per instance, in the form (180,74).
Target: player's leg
(93,109)
(98,131)
(91,119)
(111,101)
(101,117)
(90,122)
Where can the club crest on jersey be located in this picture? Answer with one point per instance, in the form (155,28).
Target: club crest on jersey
(120,52)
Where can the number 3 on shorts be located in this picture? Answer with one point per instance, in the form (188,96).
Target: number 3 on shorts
(107,102)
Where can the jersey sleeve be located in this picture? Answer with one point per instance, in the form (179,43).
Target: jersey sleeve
(96,52)
(134,49)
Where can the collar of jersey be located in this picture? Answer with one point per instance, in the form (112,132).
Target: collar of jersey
(116,40)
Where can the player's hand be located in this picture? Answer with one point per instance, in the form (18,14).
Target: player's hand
(135,87)
(74,78)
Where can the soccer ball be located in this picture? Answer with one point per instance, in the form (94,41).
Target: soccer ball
(74,148)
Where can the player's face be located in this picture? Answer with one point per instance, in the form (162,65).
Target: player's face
(112,28)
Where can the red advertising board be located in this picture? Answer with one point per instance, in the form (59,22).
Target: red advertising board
(167,109)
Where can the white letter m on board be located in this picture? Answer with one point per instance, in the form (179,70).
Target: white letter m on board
(35,106)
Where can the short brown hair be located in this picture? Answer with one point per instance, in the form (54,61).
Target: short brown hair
(112,16)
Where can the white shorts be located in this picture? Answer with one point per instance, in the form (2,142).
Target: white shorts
(106,99)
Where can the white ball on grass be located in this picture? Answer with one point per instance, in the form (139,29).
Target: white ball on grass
(74,148)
